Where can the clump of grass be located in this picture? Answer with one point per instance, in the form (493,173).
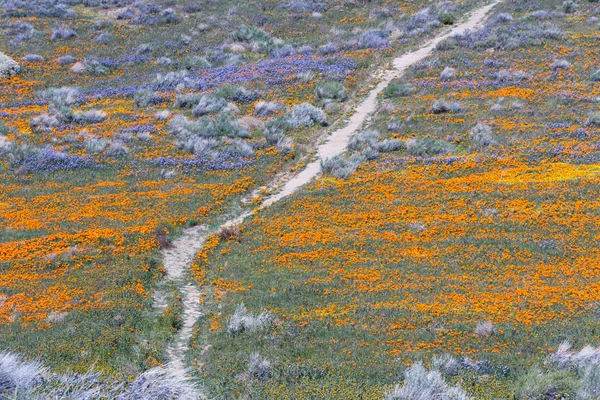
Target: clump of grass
(259,367)
(536,384)
(422,384)
(447,19)
(163,234)
(243,321)
(252,34)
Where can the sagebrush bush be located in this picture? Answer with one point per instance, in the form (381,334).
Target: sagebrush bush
(187,100)
(595,76)
(95,145)
(146,98)
(422,147)
(240,147)
(564,357)
(236,93)
(266,108)
(374,39)
(30,380)
(331,91)
(62,32)
(304,6)
(208,104)
(32,58)
(90,117)
(420,384)
(198,146)
(16,373)
(307,115)
(440,106)
(116,149)
(560,64)
(363,139)
(62,96)
(395,89)
(8,66)
(224,125)
(388,145)
(275,130)
(482,136)
(5,145)
(395,125)
(341,167)
(66,60)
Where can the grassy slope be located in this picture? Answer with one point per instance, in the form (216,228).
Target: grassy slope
(404,259)
(78,249)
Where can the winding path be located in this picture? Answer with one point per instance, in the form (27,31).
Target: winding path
(179,257)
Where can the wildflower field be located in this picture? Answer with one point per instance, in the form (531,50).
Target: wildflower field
(129,121)
(451,252)
(469,228)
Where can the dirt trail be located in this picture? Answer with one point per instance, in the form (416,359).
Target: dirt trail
(179,257)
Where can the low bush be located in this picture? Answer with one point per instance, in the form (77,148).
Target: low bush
(331,91)
(422,147)
(341,167)
(307,115)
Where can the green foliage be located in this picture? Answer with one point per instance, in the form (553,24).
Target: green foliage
(397,89)
(539,385)
(447,19)
(331,90)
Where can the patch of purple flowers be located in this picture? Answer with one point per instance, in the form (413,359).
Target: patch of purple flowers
(49,159)
(222,161)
